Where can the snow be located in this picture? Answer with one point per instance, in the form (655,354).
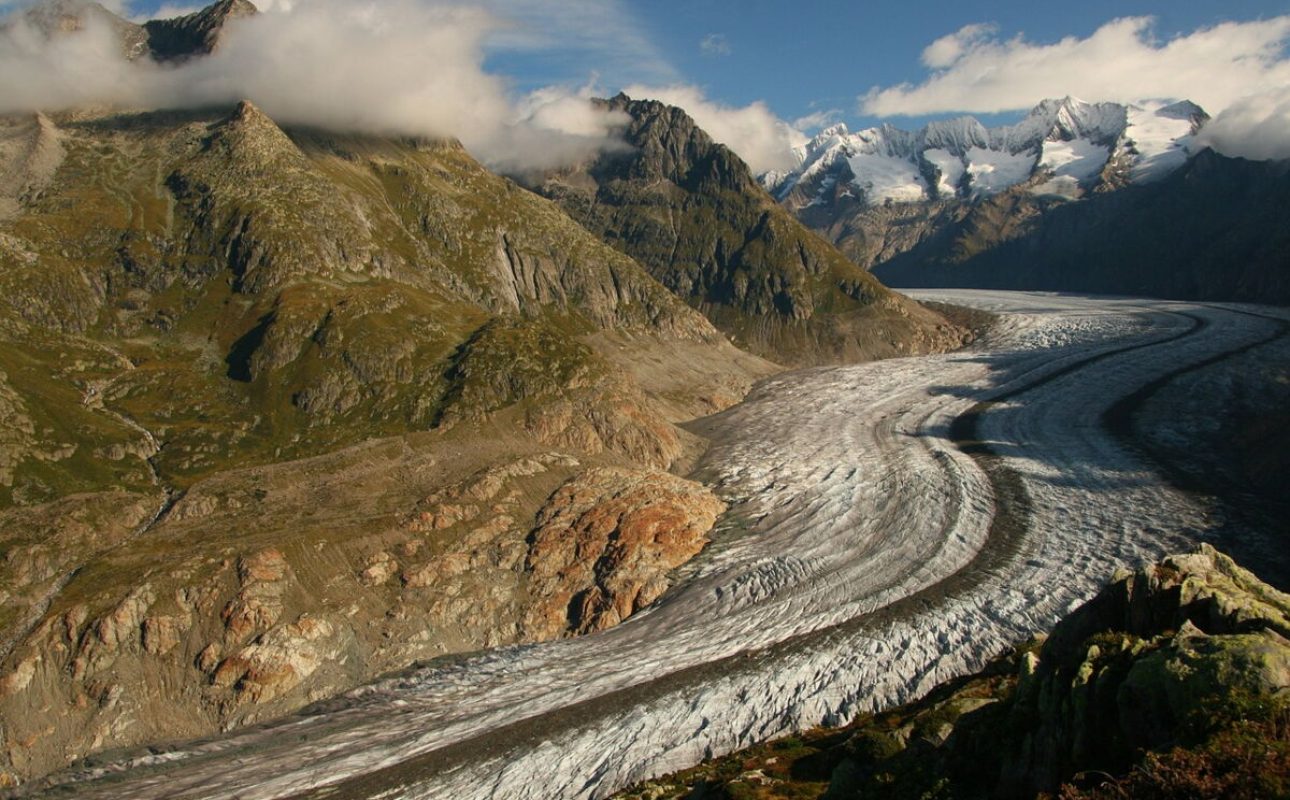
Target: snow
(856,569)
(1073,138)
(951,170)
(1063,120)
(1079,159)
(1160,139)
(887,178)
(1073,164)
(991,171)
(954,135)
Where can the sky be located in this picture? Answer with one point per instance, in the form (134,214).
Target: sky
(511,77)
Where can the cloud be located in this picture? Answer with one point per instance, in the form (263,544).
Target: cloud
(946,50)
(383,66)
(1255,127)
(760,138)
(973,70)
(715,44)
(817,120)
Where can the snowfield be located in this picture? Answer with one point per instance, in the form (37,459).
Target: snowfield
(893,525)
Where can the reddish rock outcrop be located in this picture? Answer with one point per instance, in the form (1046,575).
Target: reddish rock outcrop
(604,545)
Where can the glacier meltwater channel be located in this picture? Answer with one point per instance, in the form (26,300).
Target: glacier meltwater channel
(892,525)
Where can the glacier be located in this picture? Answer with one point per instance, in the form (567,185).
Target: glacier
(893,525)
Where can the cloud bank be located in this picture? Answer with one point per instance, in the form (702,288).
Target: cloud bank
(1256,127)
(761,138)
(393,66)
(975,71)
(1238,64)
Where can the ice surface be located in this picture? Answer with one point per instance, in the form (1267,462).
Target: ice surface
(1160,139)
(992,171)
(849,498)
(1079,159)
(887,178)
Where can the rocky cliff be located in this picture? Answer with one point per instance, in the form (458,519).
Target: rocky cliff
(1170,683)
(691,212)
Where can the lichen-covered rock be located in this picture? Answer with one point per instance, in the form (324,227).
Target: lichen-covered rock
(1151,661)
(605,543)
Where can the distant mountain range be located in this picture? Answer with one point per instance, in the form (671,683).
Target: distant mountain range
(1065,147)
(1077,196)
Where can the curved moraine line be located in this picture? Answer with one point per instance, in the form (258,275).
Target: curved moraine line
(896,537)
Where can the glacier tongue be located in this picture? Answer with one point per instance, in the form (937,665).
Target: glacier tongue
(863,563)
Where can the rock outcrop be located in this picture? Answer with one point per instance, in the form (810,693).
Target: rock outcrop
(195,34)
(605,543)
(1172,682)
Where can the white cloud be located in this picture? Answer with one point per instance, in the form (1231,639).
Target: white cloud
(975,71)
(946,50)
(388,66)
(817,120)
(715,44)
(760,138)
(1255,127)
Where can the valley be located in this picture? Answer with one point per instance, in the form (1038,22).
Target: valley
(891,525)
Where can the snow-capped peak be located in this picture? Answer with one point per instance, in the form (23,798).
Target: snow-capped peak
(1063,146)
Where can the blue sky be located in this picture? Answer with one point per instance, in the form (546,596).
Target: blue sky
(818,54)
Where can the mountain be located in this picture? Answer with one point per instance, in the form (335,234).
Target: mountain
(1170,683)
(879,192)
(282,409)
(1212,229)
(690,211)
(1065,147)
(62,17)
(195,34)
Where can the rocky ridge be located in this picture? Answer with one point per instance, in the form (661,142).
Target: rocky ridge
(1065,146)
(1171,682)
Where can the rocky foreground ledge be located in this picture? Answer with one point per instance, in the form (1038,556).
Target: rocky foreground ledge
(1173,682)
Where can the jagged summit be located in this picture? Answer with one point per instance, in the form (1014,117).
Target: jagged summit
(195,34)
(1063,146)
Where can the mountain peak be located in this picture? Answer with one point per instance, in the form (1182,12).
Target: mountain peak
(195,34)
(1065,138)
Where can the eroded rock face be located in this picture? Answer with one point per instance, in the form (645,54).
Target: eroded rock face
(605,543)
